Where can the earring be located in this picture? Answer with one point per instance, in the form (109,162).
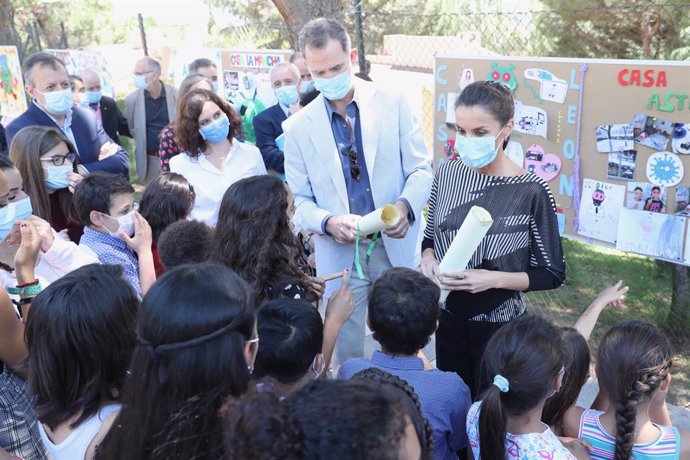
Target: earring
(250,369)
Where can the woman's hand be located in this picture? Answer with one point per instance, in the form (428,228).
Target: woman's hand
(27,255)
(430,267)
(74,180)
(472,281)
(45,231)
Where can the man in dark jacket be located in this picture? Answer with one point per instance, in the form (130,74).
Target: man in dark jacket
(113,121)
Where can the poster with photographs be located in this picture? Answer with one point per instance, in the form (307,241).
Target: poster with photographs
(599,209)
(686,257)
(651,131)
(683,201)
(644,196)
(615,138)
(681,138)
(651,234)
(621,165)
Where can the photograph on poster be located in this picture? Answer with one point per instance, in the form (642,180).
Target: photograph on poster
(622,165)
(683,201)
(599,209)
(644,196)
(681,138)
(651,234)
(615,138)
(651,131)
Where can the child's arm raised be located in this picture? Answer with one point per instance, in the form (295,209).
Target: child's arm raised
(612,295)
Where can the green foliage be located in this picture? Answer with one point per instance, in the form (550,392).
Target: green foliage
(254,24)
(639,29)
(86,23)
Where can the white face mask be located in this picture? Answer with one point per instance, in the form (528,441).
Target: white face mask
(125,224)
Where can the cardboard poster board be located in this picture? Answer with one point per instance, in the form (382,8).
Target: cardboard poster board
(12,96)
(611,137)
(76,60)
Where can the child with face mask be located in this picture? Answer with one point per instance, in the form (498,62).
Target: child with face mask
(522,250)
(113,228)
(47,163)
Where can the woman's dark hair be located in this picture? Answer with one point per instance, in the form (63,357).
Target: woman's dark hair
(493,97)
(187,122)
(25,152)
(403,310)
(577,360)
(192,328)
(424,430)
(528,353)
(80,344)
(347,420)
(253,236)
(634,359)
(167,199)
(5,163)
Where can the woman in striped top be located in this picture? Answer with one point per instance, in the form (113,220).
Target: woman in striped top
(633,368)
(522,250)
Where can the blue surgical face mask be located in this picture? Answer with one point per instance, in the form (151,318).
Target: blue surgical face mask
(83,100)
(287,95)
(94,97)
(215,87)
(19,210)
(216,131)
(57,176)
(334,88)
(476,152)
(140,81)
(306,87)
(58,102)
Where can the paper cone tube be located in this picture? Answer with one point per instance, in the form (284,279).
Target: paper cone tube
(384,217)
(465,243)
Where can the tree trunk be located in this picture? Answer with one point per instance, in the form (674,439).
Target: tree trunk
(8,34)
(296,13)
(679,315)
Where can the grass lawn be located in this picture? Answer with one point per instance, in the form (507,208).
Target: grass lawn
(590,269)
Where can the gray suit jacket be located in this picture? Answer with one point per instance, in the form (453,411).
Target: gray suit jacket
(136,119)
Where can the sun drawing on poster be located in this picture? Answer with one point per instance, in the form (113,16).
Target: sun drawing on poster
(664,169)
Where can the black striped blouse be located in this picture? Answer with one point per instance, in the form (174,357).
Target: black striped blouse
(523,238)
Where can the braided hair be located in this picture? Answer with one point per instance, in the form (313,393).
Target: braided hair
(423,428)
(634,359)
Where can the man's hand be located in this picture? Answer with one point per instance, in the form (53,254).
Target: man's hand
(107,150)
(343,228)
(400,230)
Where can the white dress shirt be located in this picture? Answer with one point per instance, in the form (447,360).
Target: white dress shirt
(243,160)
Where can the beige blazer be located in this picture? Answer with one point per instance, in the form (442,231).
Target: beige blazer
(136,119)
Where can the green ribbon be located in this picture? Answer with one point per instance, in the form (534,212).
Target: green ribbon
(358,264)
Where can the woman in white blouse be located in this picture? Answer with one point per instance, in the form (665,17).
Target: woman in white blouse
(207,129)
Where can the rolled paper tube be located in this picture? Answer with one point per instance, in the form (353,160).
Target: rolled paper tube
(384,217)
(465,243)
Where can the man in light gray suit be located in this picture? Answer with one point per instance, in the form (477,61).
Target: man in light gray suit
(149,109)
(353,149)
